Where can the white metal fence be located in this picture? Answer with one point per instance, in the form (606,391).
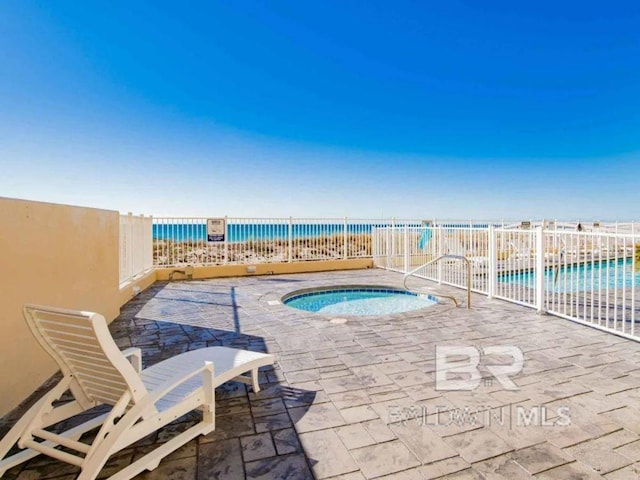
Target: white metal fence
(583,272)
(590,277)
(594,279)
(136,253)
(183,241)
(406,248)
(180,241)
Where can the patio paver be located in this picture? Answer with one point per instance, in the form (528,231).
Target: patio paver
(330,407)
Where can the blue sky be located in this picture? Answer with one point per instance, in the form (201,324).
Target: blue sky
(452,109)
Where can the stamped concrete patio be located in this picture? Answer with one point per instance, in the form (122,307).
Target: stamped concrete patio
(357,400)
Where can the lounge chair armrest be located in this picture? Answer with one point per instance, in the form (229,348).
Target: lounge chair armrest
(134,355)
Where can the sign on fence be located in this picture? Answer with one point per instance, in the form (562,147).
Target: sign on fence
(216,229)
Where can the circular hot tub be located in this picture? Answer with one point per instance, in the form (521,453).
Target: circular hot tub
(358,300)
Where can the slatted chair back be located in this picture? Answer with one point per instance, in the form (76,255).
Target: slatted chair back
(82,346)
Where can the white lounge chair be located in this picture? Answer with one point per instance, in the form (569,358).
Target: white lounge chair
(521,249)
(96,373)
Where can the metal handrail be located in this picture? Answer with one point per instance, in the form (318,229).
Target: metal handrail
(457,257)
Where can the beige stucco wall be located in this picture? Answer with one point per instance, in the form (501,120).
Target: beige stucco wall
(216,271)
(56,255)
(136,286)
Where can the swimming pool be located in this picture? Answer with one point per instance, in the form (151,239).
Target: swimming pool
(592,276)
(358,300)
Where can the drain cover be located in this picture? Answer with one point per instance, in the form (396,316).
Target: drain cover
(338,320)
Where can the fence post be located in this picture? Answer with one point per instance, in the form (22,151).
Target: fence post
(539,269)
(226,240)
(129,245)
(290,241)
(388,246)
(406,248)
(149,255)
(139,246)
(492,275)
(393,240)
(346,239)
(440,251)
(374,245)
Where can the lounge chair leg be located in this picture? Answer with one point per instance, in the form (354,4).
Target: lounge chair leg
(33,416)
(254,380)
(91,470)
(152,459)
(16,432)
(251,379)
(27,454)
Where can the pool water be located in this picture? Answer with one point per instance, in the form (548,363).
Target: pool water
(592,276)
(360,301)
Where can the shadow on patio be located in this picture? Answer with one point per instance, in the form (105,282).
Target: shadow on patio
(253,431)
